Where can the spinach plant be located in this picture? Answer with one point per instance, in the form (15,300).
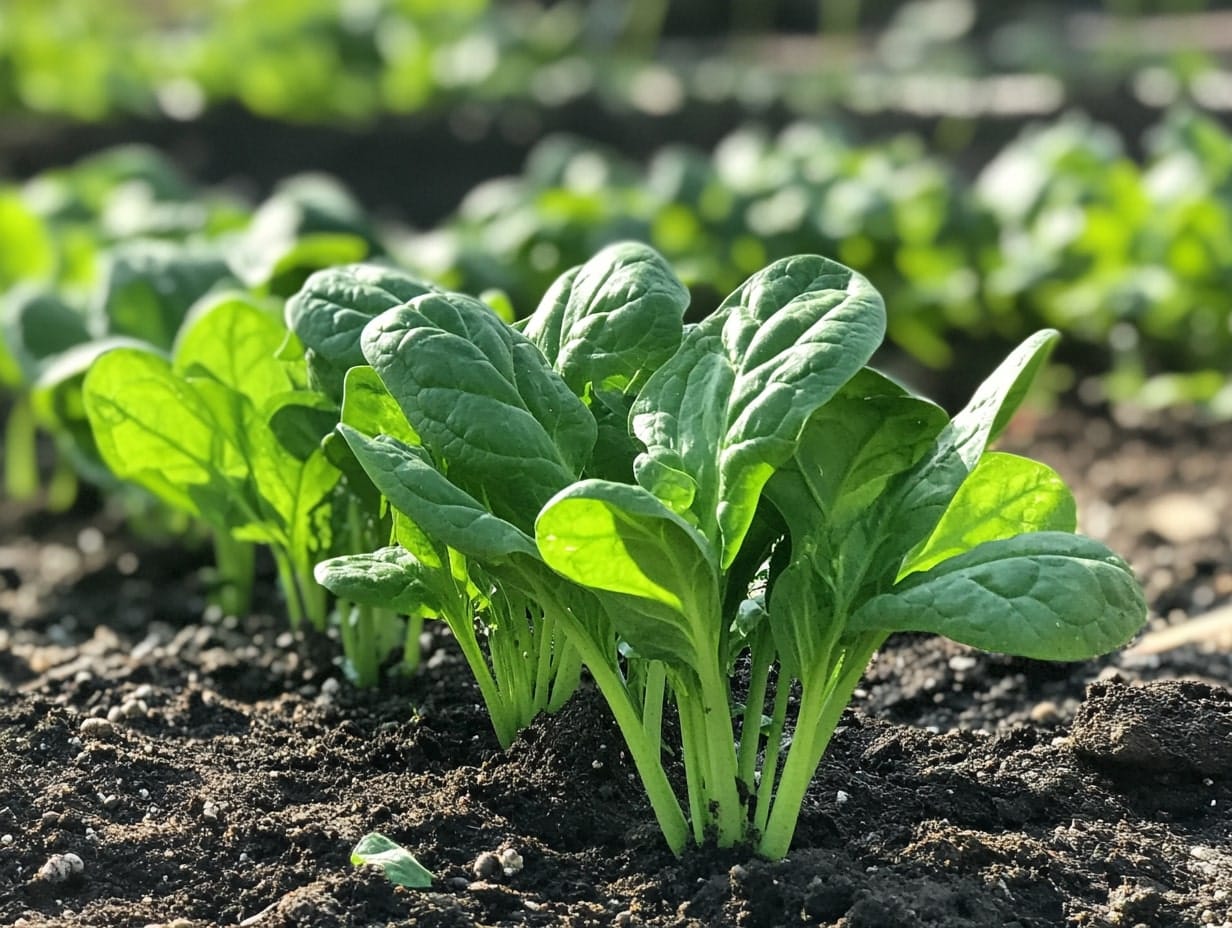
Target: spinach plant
(224,431)
(624,481)
(467,430)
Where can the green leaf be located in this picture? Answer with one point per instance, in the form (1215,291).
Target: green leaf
(916,502)
(150,286)
(159,431)
(613,321)
(849,451)
(730,405)
(37,325)
(620,539)
(446,513)
(395,861)
(485,403)
(1045,595)
(1004,496)
(368,407)
(236,341)
(389,578)
(329,313)
(27,250)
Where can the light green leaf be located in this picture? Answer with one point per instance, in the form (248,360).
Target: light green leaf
(368,407)
(1045,595)
(158,430)
(913,505)
(620,539)
(1004,496)
(235,340)
(730,405)
(396,862)
(27,252)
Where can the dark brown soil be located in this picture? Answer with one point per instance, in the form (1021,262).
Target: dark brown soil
(962,790)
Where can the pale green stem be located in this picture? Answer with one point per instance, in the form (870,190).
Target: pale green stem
(410,647)
(290,589)
(234,565)
(774,751)
(820,710)
(62,488)
(645,752)
(652,702)
(21,478)
(750,728)
(721,748)
(692,737)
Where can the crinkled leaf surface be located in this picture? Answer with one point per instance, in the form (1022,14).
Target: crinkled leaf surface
(483,400)
(613,321)
(729,406)
(329,313)
(1046,595)
(446,513)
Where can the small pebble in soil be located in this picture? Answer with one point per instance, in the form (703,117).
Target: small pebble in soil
(6,840)
(841,797)
(1045,712)
(511,861)
(94,727)
(487,866)
(624,919)
(60,867)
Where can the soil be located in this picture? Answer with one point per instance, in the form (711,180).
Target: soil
(961,790)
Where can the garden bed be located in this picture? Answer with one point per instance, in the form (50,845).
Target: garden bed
(962,789)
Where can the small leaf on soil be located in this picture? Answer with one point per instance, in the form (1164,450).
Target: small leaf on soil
(399,866)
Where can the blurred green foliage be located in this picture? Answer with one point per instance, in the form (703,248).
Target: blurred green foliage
(1060,229)
(331,60)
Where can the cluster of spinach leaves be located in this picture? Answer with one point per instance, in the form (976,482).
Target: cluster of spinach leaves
(604,484)
(142,326)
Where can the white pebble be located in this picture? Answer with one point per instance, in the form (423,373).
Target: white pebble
(6,840)
(60,867)
(841,797)
(511,861)
(95,727)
